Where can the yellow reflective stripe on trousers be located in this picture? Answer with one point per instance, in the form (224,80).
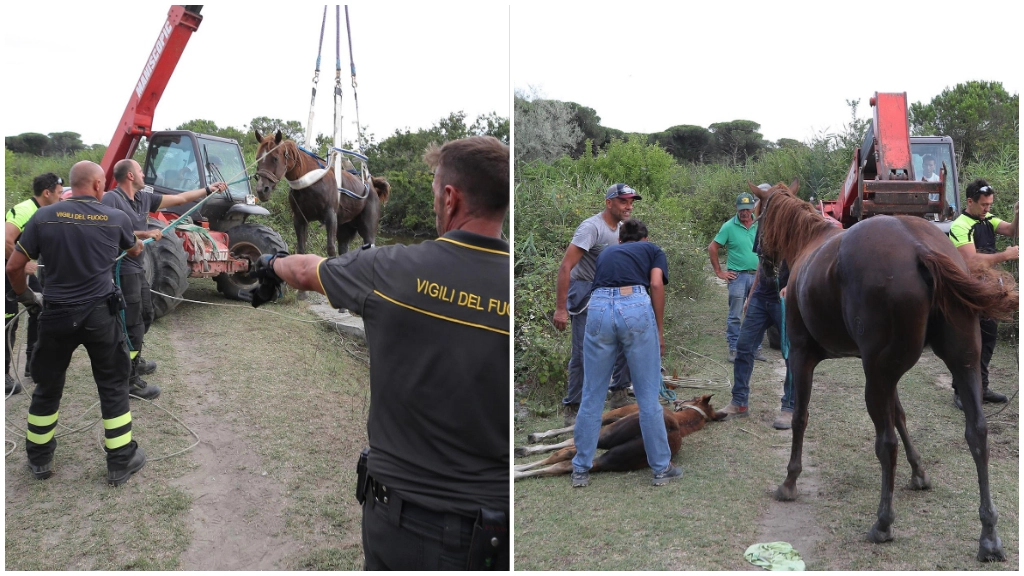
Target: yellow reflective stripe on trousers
(113,443)
(133,354)
(43,420)
(34,438)
(118,421)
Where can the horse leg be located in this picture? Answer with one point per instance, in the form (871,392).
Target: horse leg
(346,232)
(554,470)
(918,477)
(801,366)
(368,220)
(331,230)
(958,344)
(301,230)
(880,398)
(538,436)
(531,450)
(560,456)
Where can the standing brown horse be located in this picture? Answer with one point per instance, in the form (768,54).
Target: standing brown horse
(342,215)
(882,290)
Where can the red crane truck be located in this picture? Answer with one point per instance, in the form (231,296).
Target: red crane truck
(218,241)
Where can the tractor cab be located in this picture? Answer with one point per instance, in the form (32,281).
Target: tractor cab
(929,154)
(178,161)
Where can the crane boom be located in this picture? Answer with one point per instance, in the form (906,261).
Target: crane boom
(137,120)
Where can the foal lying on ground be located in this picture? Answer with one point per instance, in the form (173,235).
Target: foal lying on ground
(620,436)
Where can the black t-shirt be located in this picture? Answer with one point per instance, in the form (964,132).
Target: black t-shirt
(629,264)
(138,212)
(80,239)
(769,283)
(437,323)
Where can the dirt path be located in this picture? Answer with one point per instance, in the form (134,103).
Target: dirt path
(793,522)
(236,516)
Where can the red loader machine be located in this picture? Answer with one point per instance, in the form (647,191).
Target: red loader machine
(218,241)
(888,174)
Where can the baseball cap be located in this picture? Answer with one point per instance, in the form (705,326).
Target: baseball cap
(745,201)
(621,191)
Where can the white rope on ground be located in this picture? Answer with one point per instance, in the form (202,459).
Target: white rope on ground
(247,307)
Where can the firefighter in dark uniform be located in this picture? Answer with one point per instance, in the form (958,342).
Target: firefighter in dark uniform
(80,240)
(435,483)
(130,197)
(46,190)
(974,235)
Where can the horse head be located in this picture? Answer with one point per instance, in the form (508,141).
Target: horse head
(783,221)
(272,162)
(701,404)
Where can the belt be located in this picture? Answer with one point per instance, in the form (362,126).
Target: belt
(620,290)
(744,271)
(405,509)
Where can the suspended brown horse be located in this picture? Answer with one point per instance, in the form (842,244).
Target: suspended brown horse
(882,291)
(342,215)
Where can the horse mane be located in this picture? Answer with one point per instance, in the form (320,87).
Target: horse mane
(789,224)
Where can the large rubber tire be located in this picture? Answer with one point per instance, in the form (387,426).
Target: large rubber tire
(166,266)
(249,241)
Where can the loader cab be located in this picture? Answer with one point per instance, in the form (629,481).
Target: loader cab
(939,149)
(178,161)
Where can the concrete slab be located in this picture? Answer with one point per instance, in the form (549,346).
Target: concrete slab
(344,322)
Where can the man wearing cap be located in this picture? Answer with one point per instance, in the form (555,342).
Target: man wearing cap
(46,189)
(737,236)
(572,296)
(974,235)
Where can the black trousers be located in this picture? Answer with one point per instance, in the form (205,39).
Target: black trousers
(988,346)
(399,535)
(10,311)
(138,312)
(61,330)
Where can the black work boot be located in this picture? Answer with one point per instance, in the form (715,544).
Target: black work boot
(989,395)
(139,387)
(11,386)
(119,477)
(144,367)
(41,471)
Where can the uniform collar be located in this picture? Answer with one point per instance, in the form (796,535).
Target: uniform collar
(477,240)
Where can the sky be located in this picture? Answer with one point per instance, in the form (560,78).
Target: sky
(789,66)
(73,68)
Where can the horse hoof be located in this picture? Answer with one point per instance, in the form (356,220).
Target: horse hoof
(921,482)
(991,551)
(879,536)
(301,295)
(784,494)
(522,452)
(532,439)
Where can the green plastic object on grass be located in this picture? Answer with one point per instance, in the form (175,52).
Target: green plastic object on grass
(774,556)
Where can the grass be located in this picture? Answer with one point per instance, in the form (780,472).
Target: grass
(705,520)
(286,388)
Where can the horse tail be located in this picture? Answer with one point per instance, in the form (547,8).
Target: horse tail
(383,188)
(988,292)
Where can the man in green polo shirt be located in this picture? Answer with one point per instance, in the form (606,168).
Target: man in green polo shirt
(46,189)
(737,236)
(974,235)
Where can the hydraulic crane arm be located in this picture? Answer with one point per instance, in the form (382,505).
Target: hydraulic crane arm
(137,120)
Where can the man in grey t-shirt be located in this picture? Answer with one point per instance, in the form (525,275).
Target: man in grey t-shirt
(575,277)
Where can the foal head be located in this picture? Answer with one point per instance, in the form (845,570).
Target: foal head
(274,157)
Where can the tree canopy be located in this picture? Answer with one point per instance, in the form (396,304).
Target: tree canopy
(977,115)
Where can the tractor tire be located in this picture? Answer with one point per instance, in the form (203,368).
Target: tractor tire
(774,338)
(249,241)
(166,266)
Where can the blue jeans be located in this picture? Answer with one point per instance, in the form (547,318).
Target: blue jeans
(761,313)
(627,321)
(738,290)
(620,374)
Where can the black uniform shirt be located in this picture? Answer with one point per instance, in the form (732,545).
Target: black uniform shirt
(80,239)
(138,212)
(437,324)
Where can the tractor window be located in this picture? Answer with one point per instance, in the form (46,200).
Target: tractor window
(928,160)
(171,164)
(223,163)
